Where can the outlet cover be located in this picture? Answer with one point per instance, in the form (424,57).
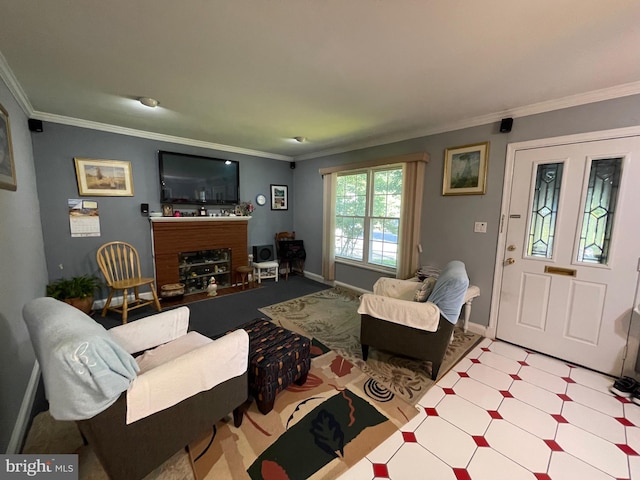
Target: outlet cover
(480,227)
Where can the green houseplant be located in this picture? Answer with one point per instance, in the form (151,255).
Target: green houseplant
(76,291)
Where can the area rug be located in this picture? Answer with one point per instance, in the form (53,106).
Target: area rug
(331,317)
(315,431)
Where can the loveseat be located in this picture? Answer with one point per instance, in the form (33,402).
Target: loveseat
(136,412)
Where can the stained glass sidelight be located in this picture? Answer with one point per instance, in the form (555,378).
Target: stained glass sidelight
(599,210)
(544,211)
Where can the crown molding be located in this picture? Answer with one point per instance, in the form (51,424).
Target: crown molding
(610,93)
(132,132)
(14,87)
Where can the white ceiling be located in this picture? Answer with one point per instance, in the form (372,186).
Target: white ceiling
(248,75)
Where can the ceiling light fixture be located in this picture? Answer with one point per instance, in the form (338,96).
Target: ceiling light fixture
(149,102)
(300,139)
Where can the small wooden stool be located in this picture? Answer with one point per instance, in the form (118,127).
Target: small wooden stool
(244,272)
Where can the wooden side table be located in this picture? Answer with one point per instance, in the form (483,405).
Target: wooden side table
(245,275)
(264,270)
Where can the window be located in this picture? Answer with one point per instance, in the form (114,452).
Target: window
(368,214)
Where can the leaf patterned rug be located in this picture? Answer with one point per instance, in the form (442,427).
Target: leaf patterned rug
(331,317)
(315,431)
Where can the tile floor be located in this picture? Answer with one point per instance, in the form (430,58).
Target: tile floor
(505,413)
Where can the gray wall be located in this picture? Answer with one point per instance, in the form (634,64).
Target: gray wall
(120,218)
(23,272)
(447,222)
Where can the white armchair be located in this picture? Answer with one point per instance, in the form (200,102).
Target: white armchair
(136,412)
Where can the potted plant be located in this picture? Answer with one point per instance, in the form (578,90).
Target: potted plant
(76,291)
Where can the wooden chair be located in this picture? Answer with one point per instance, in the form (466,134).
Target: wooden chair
(120,265)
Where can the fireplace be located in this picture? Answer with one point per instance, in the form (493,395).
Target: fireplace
(191,250)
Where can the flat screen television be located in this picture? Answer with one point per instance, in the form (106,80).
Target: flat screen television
(196,180)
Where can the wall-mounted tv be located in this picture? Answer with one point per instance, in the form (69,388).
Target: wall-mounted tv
(193,179)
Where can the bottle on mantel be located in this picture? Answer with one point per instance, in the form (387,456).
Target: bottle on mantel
(202,211)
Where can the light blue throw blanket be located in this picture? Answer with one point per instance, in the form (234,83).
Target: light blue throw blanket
(449,291)
(83,368)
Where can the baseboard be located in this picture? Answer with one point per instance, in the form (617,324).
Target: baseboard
(316,277)
(478,329)
(351,287)
(117,301)
(22,422)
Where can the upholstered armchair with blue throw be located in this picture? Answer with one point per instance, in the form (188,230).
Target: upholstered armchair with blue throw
(415,318)
(136,412)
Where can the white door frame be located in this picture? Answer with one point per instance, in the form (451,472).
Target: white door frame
(512,148)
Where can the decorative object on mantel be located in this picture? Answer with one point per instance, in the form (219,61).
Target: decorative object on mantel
(245,209)
(465,170)
(7,167)
(279,197)
(106,178)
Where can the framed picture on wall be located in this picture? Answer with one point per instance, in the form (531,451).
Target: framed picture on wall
(465,170)
(279,197)
(107,178)
(7,167)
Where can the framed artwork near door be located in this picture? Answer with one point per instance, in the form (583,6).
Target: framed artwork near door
(279,197)
(465,170)
(7,167)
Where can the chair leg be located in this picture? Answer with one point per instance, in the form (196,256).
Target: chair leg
(435,368)
(238,414)
(125,306)
(365,352)
(108,302)
(156,302)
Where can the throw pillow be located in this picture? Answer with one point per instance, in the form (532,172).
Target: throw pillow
(425,289)
(427,271)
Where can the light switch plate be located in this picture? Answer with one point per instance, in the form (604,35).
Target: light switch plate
(480,227)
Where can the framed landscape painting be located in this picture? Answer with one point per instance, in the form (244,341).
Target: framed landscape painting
(107,178)
(279,197)
(7,167)
(465,170)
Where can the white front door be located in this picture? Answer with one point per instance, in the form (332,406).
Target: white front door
(571,254)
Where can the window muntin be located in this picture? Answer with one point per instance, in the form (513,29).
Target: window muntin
(368,207)
(599,210)
(544,210)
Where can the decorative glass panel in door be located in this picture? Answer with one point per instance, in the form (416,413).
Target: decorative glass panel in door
(544,210)
(599,210)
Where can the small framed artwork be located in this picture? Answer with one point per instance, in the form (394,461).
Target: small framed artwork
(167,210)
(7,167)
(106,178)
(279,197)
(465,170)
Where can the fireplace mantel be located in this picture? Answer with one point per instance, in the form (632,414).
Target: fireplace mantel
(199,219)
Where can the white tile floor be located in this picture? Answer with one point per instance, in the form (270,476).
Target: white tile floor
(505,413)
